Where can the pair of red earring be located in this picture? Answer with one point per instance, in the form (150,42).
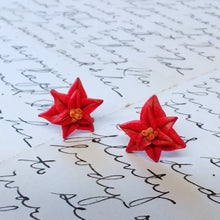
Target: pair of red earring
(152,133)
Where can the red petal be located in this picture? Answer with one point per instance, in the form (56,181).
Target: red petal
(89,105)
(176,138)
(63,118)
(169,143)
(68,129)
(141,142)
(154,152)
(80,125)
(166,123)
(150,117)
(74,101)
(158,111)
(87,127)
(50,114)
(60,100)
(131,146)
(86,124)
(77,85)
(151,111)
(155,109)
(163,139)
(164,144)
(86,119)
(132,128)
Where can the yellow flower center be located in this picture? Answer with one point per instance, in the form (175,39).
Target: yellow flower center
(76,114)
(149,134)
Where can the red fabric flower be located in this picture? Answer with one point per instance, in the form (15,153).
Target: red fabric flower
(72,110)
(153,132)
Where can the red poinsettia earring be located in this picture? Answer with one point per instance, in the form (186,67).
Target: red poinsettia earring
(72,110)
(153,133)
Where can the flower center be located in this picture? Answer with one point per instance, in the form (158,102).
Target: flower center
(150,134)
(76,114)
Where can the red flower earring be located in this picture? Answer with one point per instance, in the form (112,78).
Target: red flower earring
(153,133)
(72,110)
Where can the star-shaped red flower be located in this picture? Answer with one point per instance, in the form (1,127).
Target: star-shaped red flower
(153,133)
(72,110)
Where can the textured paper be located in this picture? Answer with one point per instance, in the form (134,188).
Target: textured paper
(123,52)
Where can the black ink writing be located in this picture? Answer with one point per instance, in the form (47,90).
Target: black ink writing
(38,164)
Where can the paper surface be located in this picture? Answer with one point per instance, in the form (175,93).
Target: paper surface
(124,52)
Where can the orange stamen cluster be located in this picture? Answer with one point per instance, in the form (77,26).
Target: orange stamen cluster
(76,114)
(149,134)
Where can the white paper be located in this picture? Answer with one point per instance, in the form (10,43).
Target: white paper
(124,52)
